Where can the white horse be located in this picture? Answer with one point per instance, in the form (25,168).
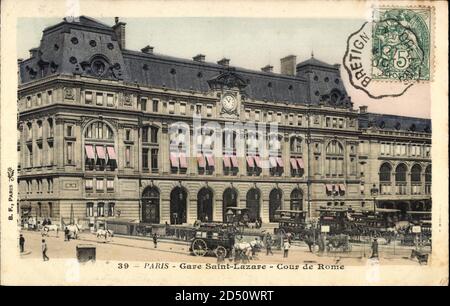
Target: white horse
(49,228)
(104,233)
(245,249)
(74,229)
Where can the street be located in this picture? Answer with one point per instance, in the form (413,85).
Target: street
(142,249)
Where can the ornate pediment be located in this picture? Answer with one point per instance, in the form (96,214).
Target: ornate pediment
(227,80)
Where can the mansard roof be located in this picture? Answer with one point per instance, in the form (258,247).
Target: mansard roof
(394,122)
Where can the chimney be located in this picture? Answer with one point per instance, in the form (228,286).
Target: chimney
(288,64)
(147,49)
(199,58)
(33,52)
(119,29)
(267,68)
(363,109)
(224,62)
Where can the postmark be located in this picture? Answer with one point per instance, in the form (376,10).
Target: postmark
(392,52)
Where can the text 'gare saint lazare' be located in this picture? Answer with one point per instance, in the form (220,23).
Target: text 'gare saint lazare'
(95,135)
(228,266)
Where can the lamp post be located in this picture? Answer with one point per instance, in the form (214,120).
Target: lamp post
(374,193)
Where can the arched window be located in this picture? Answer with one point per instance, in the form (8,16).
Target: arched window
(99,146)
(296,199)
(428,174)
(400,173)
(39,131)
(416,171)
(385,173)
(50,127)
(334,163)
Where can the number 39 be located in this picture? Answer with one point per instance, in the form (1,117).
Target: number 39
(122,266)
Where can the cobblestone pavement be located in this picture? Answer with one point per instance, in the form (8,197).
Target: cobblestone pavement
(141,249)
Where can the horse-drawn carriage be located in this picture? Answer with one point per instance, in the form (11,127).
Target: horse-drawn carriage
(210,238)
(380,223)
(291,222)
(337,218)
(418,231)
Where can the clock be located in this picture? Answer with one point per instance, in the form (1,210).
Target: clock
(229,102)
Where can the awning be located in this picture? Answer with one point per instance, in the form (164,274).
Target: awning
(273,162)
(234,161)
(250,161)
(89,151)
(173,160)
(111,152)
(300,163)
(329,187)
(100,152)
(183,160)
(226,161)
(258,161)
(336,187)
(280,162)
(210,160)
(342,187)
(294,163)
(201,161)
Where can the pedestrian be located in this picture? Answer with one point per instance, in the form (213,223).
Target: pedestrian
(44,250)
(269,245)
(374,249)
(155,240)
(286,247)
(66,234)
(22,243)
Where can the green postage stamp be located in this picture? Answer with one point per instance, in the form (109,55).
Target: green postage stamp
(401,44)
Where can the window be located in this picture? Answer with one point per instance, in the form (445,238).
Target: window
(328,122)
(99,99)
(257,115)
(198,109)
(50,209)
(143,104)
(334,162)
(49,96)
(155,106)
(69,131)
(183,108)
(28,102)
(171,107)
(111,209)
(153,134)
(110,100)
(427,151)
(299,120)
(127,134)
(30,155)
(88,97)
(39,131)
(99,184)
(279,117)
(127,156)
(291,119)
(69,153)
(341,123)
(39,99)
(110,185)
(209,110)
(154,160)
(89,209)
(89,185)
(296,145)
(49,185)
(101,209)
(247,114)
(145,158)
(270,116)
(385,173)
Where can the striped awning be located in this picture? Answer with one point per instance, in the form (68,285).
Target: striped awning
(174,160)
(234,161)
(111,152)
(201,160)
(342,187)
(258,161)
(280,162)
(210,159)
(300,163)
(100,152)
(226,161)
(183,161)
(250,161)
(294,163)
(89,151)
(329,187)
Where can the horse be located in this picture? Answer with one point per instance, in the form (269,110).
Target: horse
(49,228)
(74,229)
(105,233)
(244,250)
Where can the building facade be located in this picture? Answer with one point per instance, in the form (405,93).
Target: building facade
(96,128)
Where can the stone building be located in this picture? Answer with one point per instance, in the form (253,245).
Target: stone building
(96,121)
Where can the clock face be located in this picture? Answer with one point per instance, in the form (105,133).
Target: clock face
(229,102)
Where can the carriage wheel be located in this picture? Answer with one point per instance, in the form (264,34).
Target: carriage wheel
(199,247)
(221,252)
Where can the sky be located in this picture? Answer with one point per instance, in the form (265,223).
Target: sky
(249,43)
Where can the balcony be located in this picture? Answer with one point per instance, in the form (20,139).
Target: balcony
(385,188)
(400,188)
